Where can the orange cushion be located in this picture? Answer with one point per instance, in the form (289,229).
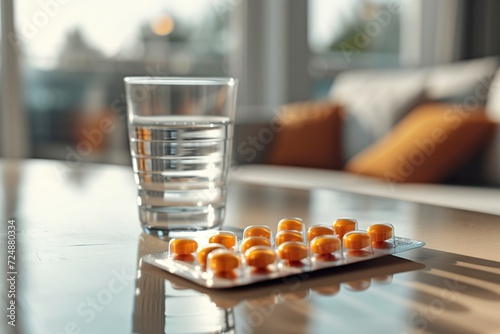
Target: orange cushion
(309,135)
(428,145)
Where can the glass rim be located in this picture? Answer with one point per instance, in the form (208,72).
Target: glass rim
(144,80)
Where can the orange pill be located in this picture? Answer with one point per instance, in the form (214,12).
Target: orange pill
(317,230)
(207,249)
(223,261)
(290,224)
(226,238)
(380,232)
(343,225)
(356,240)
(325,244)
(260,256)
(285,236)
(183,246)
(253,241)
(292,251)
(257,231)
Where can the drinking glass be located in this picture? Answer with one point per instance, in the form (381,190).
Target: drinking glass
(180,132)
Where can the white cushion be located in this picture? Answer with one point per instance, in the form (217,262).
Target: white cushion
(465,82)
(493,105)
(354,137)
(378,99)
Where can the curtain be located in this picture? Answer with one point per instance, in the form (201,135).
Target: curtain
(481,24)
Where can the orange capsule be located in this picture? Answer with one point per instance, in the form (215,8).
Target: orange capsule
(260,256)
(253,241)
(325,244)
(379,233)
(285,236)
(207,249)
(292,251)
(223,261)
(183,246)
(317,230)
(257,231)
(356,240)
(290,224)
(343,225)
(226,238)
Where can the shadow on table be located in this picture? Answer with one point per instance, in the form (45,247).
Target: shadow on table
(453,283)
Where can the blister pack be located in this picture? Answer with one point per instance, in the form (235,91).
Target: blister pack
(223,260)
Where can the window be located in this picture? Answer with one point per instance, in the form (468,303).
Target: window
(76,53)
(352,34)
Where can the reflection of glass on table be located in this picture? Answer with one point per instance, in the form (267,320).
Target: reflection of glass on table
(164,306)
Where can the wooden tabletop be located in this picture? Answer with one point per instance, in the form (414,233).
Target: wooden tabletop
(79,245)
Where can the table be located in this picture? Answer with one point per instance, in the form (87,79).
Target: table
(79,244)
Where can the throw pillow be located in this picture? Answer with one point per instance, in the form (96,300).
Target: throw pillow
(378,99)
(308,135)
(426,146)
(375,100)
(464,82)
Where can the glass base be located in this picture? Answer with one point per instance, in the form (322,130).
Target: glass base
(168,222)
(180,232)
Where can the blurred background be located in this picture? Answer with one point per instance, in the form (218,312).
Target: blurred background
(63,61)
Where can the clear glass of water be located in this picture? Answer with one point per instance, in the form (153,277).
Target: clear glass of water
(180,132)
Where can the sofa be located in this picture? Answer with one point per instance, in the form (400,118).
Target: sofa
(429,135)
